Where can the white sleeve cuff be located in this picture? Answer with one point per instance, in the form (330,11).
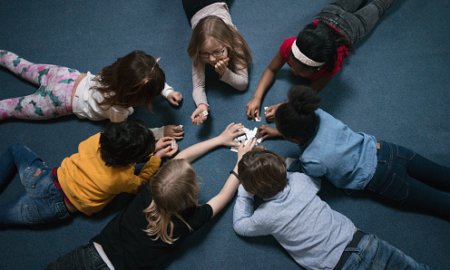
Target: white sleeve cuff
(167,89)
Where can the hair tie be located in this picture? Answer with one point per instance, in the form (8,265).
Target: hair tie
(303,58)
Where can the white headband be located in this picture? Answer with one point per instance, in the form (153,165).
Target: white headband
(303,58)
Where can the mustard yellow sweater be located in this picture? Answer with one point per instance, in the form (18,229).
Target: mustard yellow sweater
(90,185)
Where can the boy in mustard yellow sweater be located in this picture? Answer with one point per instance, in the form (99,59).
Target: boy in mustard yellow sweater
(88,180)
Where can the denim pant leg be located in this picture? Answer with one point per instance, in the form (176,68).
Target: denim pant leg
(84,257)
(41,202)
(353,24)
(403,177)
(374,253)
(193,6)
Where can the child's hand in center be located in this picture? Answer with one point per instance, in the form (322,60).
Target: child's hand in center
(231,132)
(266,132)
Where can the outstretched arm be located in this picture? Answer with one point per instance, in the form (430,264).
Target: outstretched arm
(266,80)
(218,202)
(225,138)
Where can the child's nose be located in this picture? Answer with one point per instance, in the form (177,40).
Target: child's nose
(212,58)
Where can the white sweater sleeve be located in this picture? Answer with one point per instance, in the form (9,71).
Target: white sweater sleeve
(167,89)
(198,80)
(238,80)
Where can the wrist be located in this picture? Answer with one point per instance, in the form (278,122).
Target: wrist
(233,172)
(204,104)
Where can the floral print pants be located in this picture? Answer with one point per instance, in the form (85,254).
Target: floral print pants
(51,100)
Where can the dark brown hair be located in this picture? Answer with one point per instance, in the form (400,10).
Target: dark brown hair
(262,173)
(133,80)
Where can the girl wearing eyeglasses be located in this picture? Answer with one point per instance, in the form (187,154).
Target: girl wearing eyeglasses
(216,42)
(317,53)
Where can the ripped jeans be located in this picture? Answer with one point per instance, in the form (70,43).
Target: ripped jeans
(409,180)
(41,202)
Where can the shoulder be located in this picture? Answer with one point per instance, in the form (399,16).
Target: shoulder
(287,43)
(285,48)
(197,216)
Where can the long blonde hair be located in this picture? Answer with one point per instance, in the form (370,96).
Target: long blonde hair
(214,27)
(173,188)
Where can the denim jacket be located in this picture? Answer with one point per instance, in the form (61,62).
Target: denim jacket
(346,158)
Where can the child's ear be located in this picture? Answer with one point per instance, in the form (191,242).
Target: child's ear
(251,194)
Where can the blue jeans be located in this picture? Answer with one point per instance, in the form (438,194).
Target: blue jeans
(404,178)
(84,257)
(41,202)
(374,253)
(193,6)
(351,21)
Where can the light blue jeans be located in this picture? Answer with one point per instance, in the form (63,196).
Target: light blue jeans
(41,202)
(374,253)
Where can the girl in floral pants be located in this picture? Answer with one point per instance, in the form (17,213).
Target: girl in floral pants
(52,99)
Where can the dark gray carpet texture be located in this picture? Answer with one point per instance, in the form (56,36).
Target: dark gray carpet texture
(395,86)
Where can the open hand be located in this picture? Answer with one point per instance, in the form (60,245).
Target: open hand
(231,132)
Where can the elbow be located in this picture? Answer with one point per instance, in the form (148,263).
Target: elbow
(242,86)
(238,229)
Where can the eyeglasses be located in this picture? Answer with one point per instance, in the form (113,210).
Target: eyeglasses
(214,54)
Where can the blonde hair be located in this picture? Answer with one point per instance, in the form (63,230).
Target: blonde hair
(214,27)
(173,188)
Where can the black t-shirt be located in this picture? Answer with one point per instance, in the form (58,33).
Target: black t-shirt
(129,247)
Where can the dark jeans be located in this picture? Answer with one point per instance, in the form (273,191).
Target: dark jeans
(41,202)
(404,178)
(192,6)
(374,253)
(84,257)
(351,21)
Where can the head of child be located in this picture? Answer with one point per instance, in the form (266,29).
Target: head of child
(125,143)
(316,48)
(213,40)
(133,80)
(262,173)
(173,188)
(296,119)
